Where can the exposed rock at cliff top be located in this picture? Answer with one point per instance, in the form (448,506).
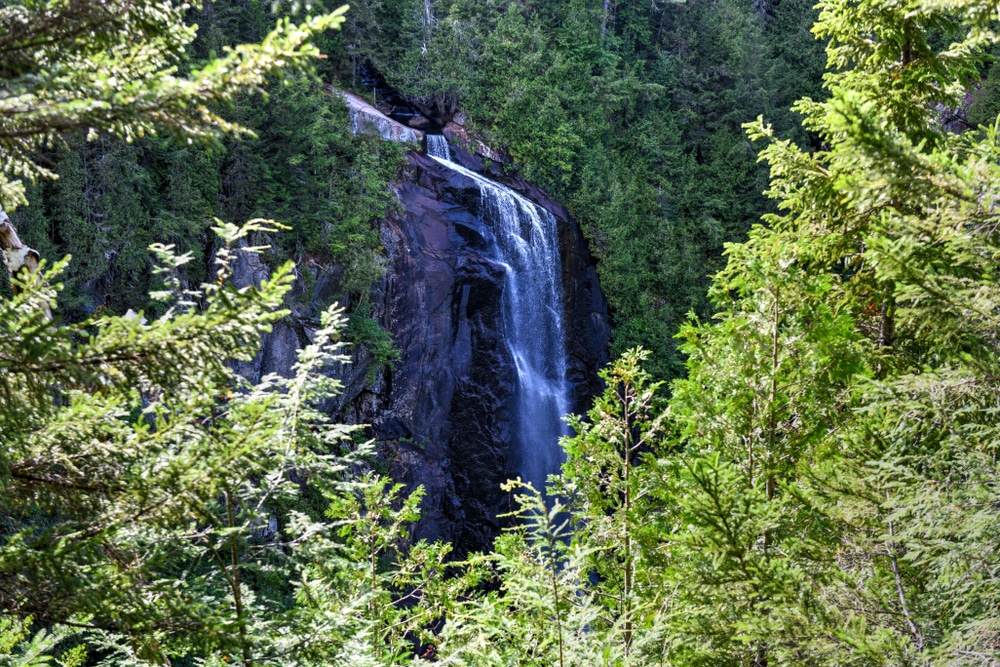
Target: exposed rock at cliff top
(366,118)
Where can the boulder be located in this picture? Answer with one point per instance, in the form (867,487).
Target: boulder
(366,118)
(455,132)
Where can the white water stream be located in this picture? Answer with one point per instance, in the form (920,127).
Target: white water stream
(527,245)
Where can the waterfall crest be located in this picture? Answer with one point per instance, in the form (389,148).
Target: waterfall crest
(526,243)
(437,146)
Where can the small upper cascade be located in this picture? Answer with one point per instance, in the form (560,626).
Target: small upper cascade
(437,146)
(526,244)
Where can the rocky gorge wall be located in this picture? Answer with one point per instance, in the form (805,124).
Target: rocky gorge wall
(442,415)
(448,420)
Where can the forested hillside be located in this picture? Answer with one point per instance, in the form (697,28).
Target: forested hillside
(809,477)
(297,161)
(630,113)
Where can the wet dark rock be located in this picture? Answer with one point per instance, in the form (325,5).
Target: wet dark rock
(443,415)
(327,288)
(451,399)
(440,108)
(417,122)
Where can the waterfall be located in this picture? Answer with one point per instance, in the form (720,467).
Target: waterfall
(437,146)
(528,247)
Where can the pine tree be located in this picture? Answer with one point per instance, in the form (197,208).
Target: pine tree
(111,67)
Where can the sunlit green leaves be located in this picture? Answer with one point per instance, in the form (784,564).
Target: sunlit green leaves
(111,67)
(146,486)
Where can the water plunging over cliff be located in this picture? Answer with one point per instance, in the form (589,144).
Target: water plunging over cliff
(527,245)
(437,146)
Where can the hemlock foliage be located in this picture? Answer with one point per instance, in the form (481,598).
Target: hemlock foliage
(821,487)
(825,489)
(155,506)
(112,67)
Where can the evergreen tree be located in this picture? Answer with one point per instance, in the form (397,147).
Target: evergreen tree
(576,581)
(607,491)
(768,385)
(150,495)
(838,419)
(543,613)
(111,67)
(154,505)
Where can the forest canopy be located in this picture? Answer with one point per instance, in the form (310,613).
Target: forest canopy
(630,113)
(817,484)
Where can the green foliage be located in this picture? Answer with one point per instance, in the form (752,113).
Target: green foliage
(578,575)
(629,113)
(767,385)
(110,67)
(112,200)
(77,471)
(838,417)
(18,651)
(293,158)
(608,493)
(986,103)
(152,498)
(363,330)
(400,583)
(149,491)
(542,613)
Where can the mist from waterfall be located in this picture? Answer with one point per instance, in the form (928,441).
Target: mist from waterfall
(527,245)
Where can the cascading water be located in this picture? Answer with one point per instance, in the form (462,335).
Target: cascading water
(527,246)
(437,146)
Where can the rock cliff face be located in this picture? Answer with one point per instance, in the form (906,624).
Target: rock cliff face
(448,419)
(443,414)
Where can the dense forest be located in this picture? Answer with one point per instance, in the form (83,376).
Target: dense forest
(794,460)
(630,115)
(629,112)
